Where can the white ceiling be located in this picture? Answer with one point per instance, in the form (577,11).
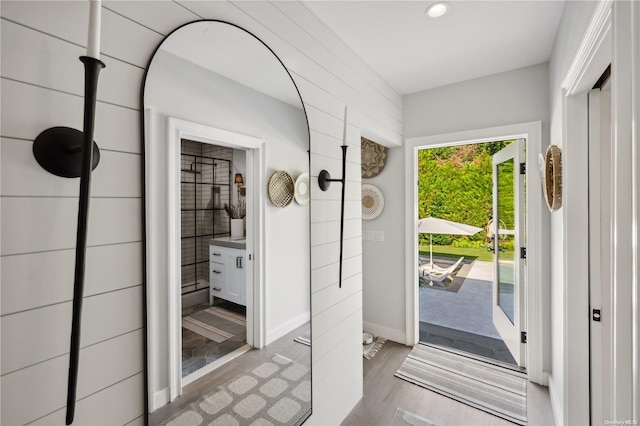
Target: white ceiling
(412,52)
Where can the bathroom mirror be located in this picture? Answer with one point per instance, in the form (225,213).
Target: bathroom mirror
(227,272)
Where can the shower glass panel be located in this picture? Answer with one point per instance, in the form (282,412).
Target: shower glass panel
(205,188)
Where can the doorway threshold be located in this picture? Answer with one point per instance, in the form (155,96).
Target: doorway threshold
(486,349)
(216,364)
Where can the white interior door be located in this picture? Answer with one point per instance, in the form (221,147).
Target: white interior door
(508,260)
(600,251)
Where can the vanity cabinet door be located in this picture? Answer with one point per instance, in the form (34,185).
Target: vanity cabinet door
(227,274)
(236,267)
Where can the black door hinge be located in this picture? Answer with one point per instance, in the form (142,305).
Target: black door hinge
(523,337)
(523,252)
(523,168)
(596,315)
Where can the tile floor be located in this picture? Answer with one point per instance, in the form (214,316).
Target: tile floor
(463,319)
(469,309)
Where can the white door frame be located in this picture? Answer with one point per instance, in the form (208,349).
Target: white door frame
(592,58)
(610,38)
(181,129)
(537,322)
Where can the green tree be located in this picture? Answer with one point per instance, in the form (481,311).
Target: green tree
(455,183)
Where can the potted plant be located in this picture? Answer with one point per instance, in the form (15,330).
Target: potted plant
(236,213)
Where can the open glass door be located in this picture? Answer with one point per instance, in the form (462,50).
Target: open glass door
(508,229)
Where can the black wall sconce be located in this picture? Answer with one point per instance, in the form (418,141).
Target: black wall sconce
(70,153)
(324,181)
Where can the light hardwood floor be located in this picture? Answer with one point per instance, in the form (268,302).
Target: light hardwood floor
(384,393)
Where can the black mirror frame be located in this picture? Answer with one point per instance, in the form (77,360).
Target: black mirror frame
(144,197)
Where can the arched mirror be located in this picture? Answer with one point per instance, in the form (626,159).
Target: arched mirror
(227,229)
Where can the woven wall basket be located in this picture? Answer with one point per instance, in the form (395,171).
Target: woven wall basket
(373,158)
(281,189)
(551,177)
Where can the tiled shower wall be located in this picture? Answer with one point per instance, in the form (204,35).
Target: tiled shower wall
(206,189)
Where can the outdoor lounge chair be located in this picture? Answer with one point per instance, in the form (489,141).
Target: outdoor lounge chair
(440,269)
(439,274)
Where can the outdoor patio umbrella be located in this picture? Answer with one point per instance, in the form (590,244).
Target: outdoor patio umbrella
(434,225)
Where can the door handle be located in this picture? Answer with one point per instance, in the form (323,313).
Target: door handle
(217,289)
(216,272)
(239,262)
(217,254)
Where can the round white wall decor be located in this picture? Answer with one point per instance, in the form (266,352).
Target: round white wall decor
(372,202)
(302,189)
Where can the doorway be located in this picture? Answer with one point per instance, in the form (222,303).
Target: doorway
(251,150)
(536,290)
(466,279)
(211,198)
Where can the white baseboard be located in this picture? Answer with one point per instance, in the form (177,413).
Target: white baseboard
(287,327)
(556,404)
(386,332)
(160,399)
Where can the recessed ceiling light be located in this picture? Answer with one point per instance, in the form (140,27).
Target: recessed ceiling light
(436,10)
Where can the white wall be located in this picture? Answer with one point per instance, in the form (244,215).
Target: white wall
(38,210)
(510,97)
(517,96)
(179,89)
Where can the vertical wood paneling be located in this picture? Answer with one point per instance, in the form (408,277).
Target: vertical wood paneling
(38,210)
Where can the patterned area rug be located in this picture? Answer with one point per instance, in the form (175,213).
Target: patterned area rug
(215,323)
(405,418)
(370,350)
(489,388)
(278,392)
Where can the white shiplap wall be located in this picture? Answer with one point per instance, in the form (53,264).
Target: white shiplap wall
(42,84)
